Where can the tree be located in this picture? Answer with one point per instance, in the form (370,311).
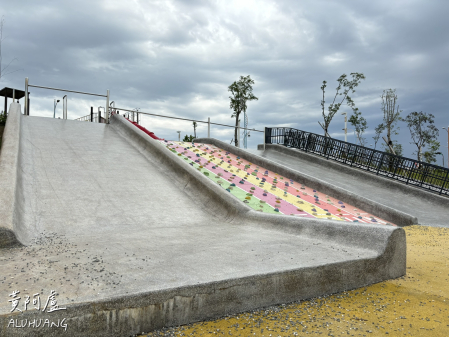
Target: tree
(194,129)
(3,117)
(242,91)
(360,125)
(429,156)
(2,70)
(397,148)
(422,130)
(188,138)
(391,114)
(378,131)
(334,107)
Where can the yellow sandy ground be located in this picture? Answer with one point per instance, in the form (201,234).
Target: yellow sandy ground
(414,305)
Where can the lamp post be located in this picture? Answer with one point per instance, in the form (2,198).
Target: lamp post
(54,107)
(447,130)
(442,155)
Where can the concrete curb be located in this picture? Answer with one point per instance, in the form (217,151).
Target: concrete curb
(390,183)
(9,160)
(390,214)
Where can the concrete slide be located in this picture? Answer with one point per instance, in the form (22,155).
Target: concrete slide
(132,239)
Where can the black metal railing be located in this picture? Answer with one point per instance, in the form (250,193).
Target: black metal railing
(409,171)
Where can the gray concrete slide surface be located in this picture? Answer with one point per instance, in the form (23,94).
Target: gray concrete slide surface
(132,239)
(428,208)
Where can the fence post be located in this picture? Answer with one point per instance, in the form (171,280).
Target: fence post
(264,137)
(380,163)
(99,115)
(91,113)
(26,112)
(64,107)
(106,110)
(445,181)
(208,127)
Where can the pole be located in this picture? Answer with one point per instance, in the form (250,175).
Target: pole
(91,113)
(64,108)
(26,96)
(208,127)
(346,127)
(238,134)
(13,95)
(54,108)
(264,137)
(447,130)
(106,112)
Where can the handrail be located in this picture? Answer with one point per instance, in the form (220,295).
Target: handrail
(184,119)
(412,172)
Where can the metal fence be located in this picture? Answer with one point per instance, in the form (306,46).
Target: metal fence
(409,171)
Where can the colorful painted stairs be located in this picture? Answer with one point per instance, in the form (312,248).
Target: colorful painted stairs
(264,190)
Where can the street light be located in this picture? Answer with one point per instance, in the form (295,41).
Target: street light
(442,155)
(447,130)
(54,107)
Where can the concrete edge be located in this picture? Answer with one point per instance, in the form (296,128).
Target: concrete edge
(390,214)
(144,312)
(9,160)
(409,189)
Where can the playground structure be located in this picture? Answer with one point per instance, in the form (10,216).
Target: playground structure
(150,241)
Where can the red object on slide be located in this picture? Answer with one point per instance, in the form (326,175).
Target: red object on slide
(149,133)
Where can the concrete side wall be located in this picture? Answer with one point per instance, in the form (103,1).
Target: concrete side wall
(382,211)
(8,176)
(388,183)
(145,312)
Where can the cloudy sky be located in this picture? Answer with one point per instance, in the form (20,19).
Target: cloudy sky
(178,57)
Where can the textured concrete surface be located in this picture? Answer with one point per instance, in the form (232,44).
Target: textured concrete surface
(9,163)
(428,208)
(414,305)
(94,206)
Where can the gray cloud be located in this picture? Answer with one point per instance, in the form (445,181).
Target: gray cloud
(179,57)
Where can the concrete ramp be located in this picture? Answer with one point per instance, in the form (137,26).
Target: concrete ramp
(132,239)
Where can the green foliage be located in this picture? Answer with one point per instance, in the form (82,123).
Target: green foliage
(241,91)
(392,114)
(378,131)
(396,147)
(430,156)
(188,138)
(348,85)
(360,125)
(3,117)
(422,130)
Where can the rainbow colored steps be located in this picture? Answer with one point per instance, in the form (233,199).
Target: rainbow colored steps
(264,190)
